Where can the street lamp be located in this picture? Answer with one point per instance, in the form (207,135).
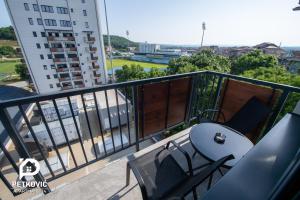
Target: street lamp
(203,30)
(109,43)
(127,34)
(297,8)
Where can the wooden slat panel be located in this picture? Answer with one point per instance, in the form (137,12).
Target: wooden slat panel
(153,105)
(179,98)
(235,94)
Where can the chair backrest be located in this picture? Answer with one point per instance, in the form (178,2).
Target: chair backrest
(249,116)
(235,94)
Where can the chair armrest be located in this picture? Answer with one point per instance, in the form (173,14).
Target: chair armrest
(188,159)
(200,116)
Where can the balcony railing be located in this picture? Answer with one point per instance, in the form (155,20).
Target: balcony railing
(75,69)
(64,79)
(62,69)
(75,59)
(122,115)
(77,77)
(67,87)
(93,49)
(53,50)
(71,49)
(59,60)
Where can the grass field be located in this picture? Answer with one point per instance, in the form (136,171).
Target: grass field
(121,62)
(8,67)
(11,43)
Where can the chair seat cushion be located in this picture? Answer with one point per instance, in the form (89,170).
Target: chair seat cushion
(160,172)
(249,116)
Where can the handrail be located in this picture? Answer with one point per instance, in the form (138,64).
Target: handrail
(62,94)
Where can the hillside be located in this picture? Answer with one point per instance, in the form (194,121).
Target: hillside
(119,42)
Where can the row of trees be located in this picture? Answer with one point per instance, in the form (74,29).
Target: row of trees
(7,33)
(7,51)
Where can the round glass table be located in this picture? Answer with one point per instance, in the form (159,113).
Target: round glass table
(202,139)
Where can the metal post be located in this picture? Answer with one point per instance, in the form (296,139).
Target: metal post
(136,117)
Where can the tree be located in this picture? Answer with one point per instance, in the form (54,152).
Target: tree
(7,51)
(133,72)
(204,60)
(21,69)
(7,33)
(253,60)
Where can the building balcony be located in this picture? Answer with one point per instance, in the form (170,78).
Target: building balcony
(52,38)
(59,60)
(126,120)
(71,49)
(70,38)
(79,86)
(76,77)
(75,59)
(90,40)
(94,58)
(75,69)
(54,50)
(64,79)
(95,67)
(93,49)
(62,70)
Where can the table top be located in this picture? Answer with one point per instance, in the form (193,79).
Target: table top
(202,138)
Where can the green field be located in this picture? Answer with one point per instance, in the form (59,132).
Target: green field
(8,67)
(121,62)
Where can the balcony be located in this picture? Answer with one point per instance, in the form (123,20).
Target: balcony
(52,38)
(122,119)
(93,49)
(62,70)
(75,69)
(54,50)
(70,38)
(60,60)
(62,79)
(79,86)
(89,40)
(71,49)
(68,87)
(95,67)
(94,58)
(77,77)
(75,59)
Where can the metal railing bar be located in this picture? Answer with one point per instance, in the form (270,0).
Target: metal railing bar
(77,129)
(7,184)
(100,125)
(127,114)
(50,135)
(142,111)
(119,118)
(64,131)
(89,125)
(10,159)
(167,108)
(35,139)
(136,116)
(109,120)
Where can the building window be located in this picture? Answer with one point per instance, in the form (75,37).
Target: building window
(35,7)
(30,20)
(48,9)
(65,23)
(49,56)
(74,23)
(57,85)
(84,13)
(45,67)
(46,45)
(55,76)
(52,66)
(42,57)
(82,1)
(72,10)
(39,21)
(43,34)
(56,34)
(26,6)
(38,45)
(48,77)
(86,24)
(50,22)
(76,34)
(34,34)
(51,86)
(61,10)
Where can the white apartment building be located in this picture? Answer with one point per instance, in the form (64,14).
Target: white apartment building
(61,41)
(148,48)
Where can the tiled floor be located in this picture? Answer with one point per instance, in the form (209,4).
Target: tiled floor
(109,182)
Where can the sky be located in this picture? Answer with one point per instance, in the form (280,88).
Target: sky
(228,22)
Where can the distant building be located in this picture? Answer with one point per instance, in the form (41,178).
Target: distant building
(148,48)
(292,62)
(270,48)
(61,42)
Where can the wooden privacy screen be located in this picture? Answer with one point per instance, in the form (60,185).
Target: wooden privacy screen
(236,93)
(162,105)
